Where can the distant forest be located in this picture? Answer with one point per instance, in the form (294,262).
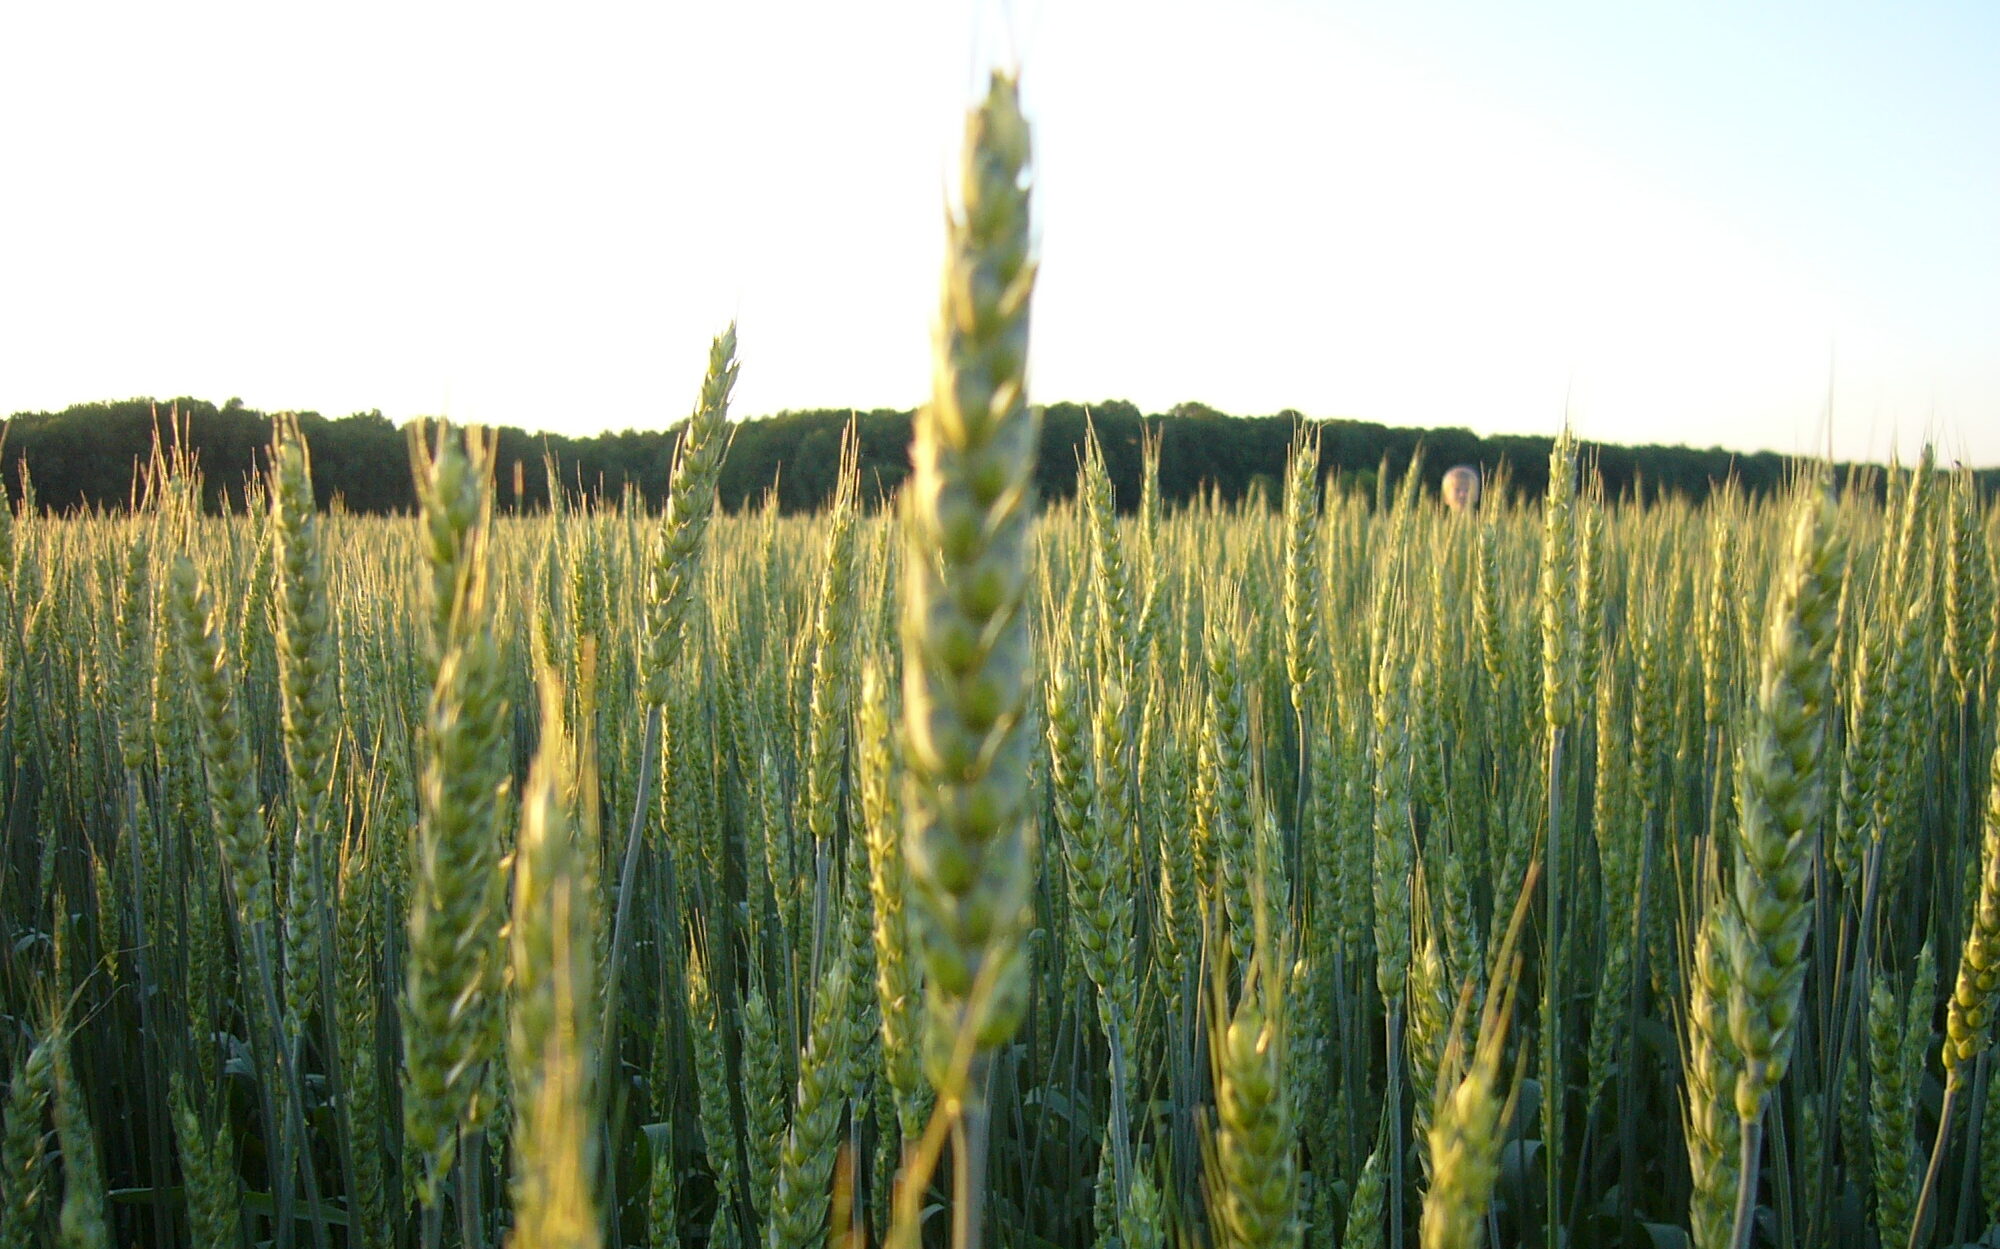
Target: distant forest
(87,456)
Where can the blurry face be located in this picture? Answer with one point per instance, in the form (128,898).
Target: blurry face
(1461,489)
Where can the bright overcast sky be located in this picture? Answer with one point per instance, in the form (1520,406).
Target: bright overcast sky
(1679,222)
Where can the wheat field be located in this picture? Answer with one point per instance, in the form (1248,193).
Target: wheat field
(1322,870)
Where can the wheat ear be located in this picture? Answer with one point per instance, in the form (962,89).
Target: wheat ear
(970,845)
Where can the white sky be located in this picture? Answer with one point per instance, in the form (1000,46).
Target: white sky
(1677,223)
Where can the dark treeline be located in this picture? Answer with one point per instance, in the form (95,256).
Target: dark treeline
(88,456)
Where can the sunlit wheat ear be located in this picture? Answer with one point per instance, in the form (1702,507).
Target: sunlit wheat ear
(671,572)
(1253,1173)
(1302,568)
(1714,636)
(1355,812)
(1989,1159)
(1486,612)
(1913,603)
(309,706)
(451,1024)
(1429,1003)
(1589,592)
(1969,1021)
(1784,792)
(1968,590)
(830,712)
(898,980)
(800,1205)
(1111,758)
(1711,1062)
(454,513)
(1110,575)
(232,784)
(965,630)
(1855,823)
(1619,851)
(1394,856)
(7,555)
(356,992)
(134,641)
(1471,1108)
(1559,624)
(848,929)
(1234,818)
(1072,788)
(552,1042)
(1782,783)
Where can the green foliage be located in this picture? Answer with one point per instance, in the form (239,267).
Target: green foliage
(85,456)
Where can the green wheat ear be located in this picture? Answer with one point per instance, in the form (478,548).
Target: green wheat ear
(1253,1166)
(1711,1063)
(451,1024)
(552,1042)
(1471,1111)
(1969,1021)
(225,747)
(1898,1035)
(307,664)
(1784,791)
(690,500)
(1364,1208)
(21,1152)
(82,1223)
(970,845)
(214,1199)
